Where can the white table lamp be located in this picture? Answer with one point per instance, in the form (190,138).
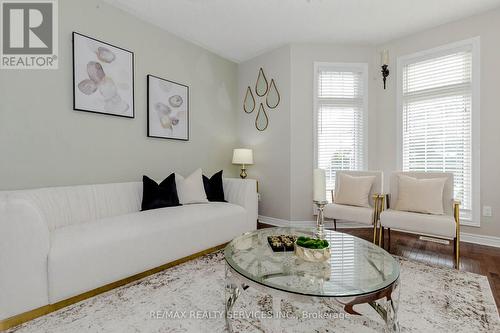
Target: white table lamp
(244,157)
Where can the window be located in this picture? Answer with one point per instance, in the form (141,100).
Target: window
(340,104)
(438,109)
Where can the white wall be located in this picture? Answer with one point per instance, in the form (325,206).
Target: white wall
(487,26)
(301,135)
(43,142)
(272,146)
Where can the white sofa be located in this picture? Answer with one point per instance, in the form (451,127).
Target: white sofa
(59,242)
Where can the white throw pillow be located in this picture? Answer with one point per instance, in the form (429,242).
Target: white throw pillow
(190,190)
(353,190)
(421,195)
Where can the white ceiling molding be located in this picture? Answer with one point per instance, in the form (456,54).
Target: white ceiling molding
(241,29)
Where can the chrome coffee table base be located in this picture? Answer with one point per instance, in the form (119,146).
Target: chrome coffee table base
(385,302)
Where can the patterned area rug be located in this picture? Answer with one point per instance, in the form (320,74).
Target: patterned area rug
(189,298)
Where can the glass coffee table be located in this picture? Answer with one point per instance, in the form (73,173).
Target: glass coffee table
(358,272)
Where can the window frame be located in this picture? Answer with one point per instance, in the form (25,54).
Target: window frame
(474,45)
(340,66)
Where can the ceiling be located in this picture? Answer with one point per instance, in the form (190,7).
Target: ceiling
(241,29)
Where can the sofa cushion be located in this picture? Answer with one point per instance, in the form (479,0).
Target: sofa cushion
(159,195)
(214,188)
(349,213)
(425,224)
(86,256)
(190,189)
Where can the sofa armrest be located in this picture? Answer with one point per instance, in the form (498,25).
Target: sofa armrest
(243,192)
(24,248)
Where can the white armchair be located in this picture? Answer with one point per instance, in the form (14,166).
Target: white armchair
(365,215)
(442,226)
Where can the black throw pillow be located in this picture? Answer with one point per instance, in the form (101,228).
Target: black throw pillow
(158,196)
(214,188)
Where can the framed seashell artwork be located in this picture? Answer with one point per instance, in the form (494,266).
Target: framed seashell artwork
(168,109)
(103,77)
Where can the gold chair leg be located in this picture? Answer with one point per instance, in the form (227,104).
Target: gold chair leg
(456,212)
(375,217)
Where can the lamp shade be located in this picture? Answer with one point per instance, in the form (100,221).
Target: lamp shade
(242,156)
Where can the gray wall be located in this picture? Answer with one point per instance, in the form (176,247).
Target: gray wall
(272,146)
(43,142)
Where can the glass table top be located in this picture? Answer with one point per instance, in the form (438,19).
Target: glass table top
(356,267)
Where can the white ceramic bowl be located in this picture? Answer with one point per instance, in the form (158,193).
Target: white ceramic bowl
(313,255)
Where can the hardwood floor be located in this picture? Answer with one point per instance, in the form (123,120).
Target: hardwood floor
(475,258)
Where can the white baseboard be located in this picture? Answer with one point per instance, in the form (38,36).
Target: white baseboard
(464,237)
(480,239)
(286,223)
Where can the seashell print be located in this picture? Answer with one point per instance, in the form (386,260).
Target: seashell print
(116,105)
(95,71)
(175,101)
(163,109)
(166,122)
(105,54)
(107,88)
(88,87)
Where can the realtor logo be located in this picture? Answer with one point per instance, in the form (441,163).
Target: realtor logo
(29,34)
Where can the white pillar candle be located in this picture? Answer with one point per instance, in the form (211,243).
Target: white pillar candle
(384,57)
(319,185)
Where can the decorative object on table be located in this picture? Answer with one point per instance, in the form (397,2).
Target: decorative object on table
(261,121)
(319,199)
(312,249)
(273,96)
(214,188)
(282,243)
(161,195)
(244,157)
(249,102)
(384,62)
(261,86)
(103,77)
(168,109)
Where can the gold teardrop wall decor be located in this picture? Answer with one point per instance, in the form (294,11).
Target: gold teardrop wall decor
(273,96)
(261,84)
(249,102)
(261,121)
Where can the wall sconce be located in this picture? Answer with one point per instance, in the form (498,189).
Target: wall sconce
(384,62)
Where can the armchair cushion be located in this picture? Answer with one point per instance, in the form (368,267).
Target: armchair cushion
(354,191)
(421,195)
(349,213)
(431,225)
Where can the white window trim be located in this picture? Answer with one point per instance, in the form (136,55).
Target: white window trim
(341,66)
(476,109)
